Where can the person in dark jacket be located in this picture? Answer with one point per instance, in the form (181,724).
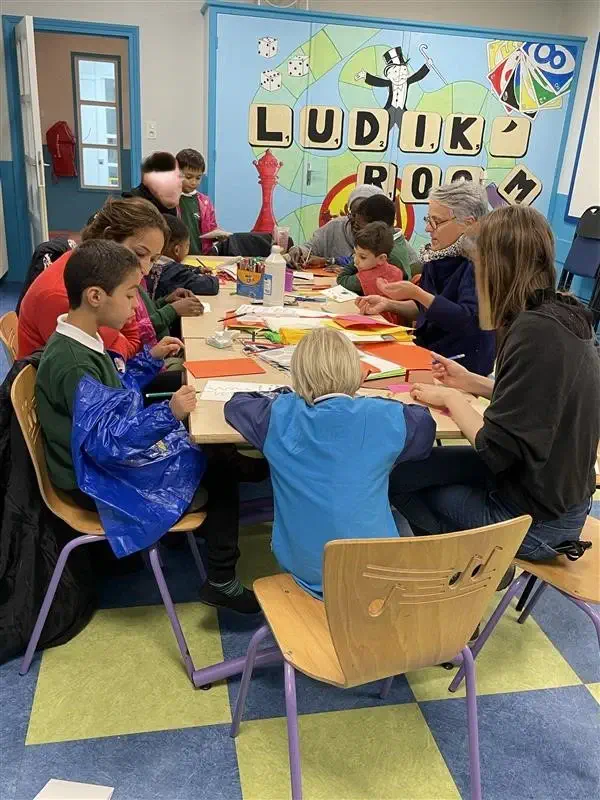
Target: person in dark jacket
(169,275)
(161,182)
(535,447)
(31,538)
(443,306)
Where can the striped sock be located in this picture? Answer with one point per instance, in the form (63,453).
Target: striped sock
(232,588)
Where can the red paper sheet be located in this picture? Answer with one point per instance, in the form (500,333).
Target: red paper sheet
(405,355)
(360,321)
(223,368)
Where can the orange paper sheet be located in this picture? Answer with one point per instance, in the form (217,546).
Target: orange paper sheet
(223,368)
(405,355)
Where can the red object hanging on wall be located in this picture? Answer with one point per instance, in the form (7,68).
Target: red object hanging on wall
(61,144)
(268,167)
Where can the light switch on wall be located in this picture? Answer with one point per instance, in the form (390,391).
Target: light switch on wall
(151,130)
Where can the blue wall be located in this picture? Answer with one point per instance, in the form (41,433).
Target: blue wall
(564,232)
(70,206)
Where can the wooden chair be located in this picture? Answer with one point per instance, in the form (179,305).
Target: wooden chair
(86,523)
(578,581)
(8,336)
(391,606)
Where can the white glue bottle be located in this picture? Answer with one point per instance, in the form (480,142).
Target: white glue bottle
(274,278)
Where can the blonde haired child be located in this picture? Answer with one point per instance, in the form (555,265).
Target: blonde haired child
(330,452)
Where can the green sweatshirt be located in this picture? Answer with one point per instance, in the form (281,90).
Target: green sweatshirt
(64,363)
(403,256)
(188,206)
(162,315)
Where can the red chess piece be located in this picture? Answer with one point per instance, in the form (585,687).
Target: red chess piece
(268,167)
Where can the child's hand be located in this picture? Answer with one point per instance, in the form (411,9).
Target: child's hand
(189,307)
(183,402)
(178,294)
(372,304)
(399,290)
(169,346)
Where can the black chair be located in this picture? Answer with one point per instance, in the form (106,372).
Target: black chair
(247,244)
(583,259)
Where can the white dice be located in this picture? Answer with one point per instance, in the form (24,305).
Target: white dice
(270,80)
(268,46)
(298,66)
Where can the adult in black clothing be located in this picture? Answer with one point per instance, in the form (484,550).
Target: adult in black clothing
(161,182)
(535,447)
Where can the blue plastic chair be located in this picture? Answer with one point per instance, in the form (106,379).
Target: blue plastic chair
(583,259)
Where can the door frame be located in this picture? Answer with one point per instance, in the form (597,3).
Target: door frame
(14,190)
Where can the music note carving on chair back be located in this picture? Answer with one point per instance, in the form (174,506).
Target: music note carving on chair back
(394,605)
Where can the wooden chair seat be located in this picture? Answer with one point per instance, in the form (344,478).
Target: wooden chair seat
(8,335)
(299,624)
(88,522)
(579,578)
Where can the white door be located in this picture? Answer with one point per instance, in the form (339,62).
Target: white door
(32,132)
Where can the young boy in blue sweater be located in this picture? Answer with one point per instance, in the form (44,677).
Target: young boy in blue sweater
(135,465)
(311,436)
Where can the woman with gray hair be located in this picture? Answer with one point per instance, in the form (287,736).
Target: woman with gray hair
(443,306)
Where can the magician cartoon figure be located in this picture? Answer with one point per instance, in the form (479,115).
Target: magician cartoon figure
(397,80)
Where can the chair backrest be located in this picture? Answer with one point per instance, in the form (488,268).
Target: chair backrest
(589,223)
(394,605)
(23,399)
(583,258)
(8,335)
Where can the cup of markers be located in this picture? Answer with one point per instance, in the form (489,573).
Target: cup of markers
(250,277)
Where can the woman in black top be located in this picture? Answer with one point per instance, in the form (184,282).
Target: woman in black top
(535,447)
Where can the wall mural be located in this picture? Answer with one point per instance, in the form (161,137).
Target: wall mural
(335,105)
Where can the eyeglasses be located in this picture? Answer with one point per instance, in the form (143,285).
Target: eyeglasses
(434,224)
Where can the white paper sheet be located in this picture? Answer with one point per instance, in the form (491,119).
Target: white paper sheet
(221,391)
(339,294)
(277,323)
(382,364)
(71,790)
(278,311)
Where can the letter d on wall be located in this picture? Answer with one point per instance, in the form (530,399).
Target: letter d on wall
(368,129)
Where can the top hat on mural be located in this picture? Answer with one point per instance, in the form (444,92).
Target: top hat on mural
(394,57)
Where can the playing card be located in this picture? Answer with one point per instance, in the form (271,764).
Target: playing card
(556,63)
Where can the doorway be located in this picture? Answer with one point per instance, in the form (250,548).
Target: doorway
(88,76)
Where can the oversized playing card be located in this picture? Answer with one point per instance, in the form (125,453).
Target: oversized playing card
(499,50)
(501,75)
(556,63)
(512,90)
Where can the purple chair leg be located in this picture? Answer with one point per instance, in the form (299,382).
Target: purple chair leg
(474,760)
(291,711)
(491,624)
(587,609)
(532,603)
(49,596)
(172,614)
(257,638)
(386,686)
(234,666)
(197,558)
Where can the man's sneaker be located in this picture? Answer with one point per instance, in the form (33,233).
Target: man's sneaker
(244,603)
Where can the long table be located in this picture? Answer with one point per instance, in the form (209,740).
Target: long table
(207,423)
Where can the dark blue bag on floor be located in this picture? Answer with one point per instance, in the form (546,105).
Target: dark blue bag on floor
(137,463)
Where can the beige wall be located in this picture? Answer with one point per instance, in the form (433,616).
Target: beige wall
(55,80)
(173,38)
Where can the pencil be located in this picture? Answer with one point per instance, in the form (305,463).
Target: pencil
(164,395)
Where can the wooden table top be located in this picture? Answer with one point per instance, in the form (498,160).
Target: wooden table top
(207,423)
